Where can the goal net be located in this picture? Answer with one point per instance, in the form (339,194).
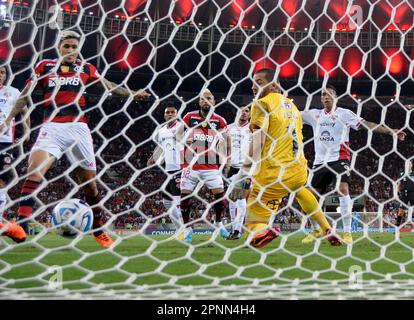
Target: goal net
(175,50)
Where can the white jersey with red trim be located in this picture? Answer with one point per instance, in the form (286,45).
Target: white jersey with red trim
(331,132)
(8,98)
(240,140)
(167,138)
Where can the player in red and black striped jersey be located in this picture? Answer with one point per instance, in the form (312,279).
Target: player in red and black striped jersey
(65,130)
(206,134)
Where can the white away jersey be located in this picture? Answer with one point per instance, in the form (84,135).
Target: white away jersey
(240,140)
(8,98)
(331,132)
(167,139)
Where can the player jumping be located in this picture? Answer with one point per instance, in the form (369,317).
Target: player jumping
(65,129)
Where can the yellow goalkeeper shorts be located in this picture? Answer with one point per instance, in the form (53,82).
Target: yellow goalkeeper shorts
(269,189)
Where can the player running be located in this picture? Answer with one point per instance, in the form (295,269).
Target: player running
(168,151)
(206,133)
(239,132)
(332,153)
(8,97)
(280,164)
(64,131)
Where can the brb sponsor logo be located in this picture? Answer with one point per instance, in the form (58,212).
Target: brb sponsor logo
(203,137)
(326,137)
(64,81)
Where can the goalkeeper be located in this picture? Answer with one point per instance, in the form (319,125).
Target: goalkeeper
(280,164)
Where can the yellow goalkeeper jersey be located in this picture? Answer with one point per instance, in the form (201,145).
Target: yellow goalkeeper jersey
(281,120)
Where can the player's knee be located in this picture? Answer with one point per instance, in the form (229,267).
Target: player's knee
(34,175)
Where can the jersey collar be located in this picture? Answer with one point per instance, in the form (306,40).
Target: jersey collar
(172,124)
(246,124)
(330,112)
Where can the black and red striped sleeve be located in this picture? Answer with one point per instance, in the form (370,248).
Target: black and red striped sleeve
(93,73)
(186,119)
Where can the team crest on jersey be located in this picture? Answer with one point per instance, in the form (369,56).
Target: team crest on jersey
(272,204)
(7,160)
(287,105)
(78,68)
(204,124)
(64,68)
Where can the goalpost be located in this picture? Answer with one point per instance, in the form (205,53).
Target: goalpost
(174,49)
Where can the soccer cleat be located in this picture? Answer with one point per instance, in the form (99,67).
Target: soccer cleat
(347,238)
(264,237)
(333,239)
(312,236)
(235,235)
(188,235)
(221,229)
(14,232)
(104,240)
(224,233)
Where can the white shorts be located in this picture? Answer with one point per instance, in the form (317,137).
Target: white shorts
(211,178)
(70,138)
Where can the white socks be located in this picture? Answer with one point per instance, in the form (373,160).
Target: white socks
(233,213)
(238,213)
(346,212)
(175,212)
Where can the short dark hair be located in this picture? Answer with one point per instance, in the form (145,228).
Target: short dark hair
(329,86)
(170,106)
(269,73)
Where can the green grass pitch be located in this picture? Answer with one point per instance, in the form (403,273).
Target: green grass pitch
(158,262)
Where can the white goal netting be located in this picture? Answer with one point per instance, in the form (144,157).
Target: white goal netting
(174,50)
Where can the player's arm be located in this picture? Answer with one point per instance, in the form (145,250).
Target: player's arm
(306,117)
(379,128)
(255,147)
(26,123)
(19,107)
(227,139)
(156,156)
(123,92)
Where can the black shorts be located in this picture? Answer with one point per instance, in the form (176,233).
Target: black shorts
(407,198)
(173,186)
(326,174)
(246,183)
(233,171)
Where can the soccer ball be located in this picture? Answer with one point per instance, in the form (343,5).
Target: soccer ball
(71,217)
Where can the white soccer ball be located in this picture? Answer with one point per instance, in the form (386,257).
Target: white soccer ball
(71,217)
